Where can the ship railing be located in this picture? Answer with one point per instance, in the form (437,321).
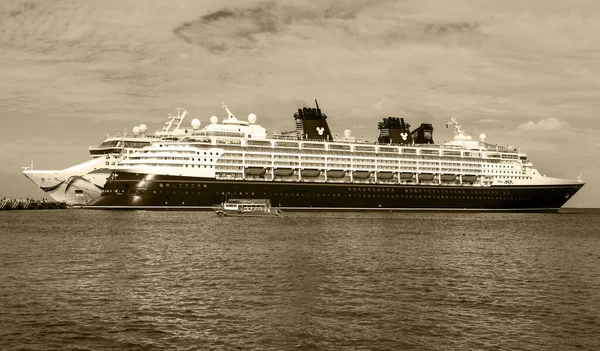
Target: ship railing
(500,148)
(127,135)
(364,142)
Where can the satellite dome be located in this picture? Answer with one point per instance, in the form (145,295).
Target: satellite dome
(482,136)
(347,133)
(195,123)
(136,130)
(143,128)
(252,118)
(214,120)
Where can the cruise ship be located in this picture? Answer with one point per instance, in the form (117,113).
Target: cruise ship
(307,169)
(83,183)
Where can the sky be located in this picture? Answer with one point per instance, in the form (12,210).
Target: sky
(525,73)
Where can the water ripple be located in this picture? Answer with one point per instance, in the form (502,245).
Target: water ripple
(87,280)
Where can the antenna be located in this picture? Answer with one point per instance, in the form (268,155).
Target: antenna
(458,131)
(226,109)
(318,110)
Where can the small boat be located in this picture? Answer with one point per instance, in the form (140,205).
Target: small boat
(468,178)
(334,173)
(425,177)
(448,177)
(361,174)
(310,172)
(255,171)
(283,172)
(385,175)
(247,208)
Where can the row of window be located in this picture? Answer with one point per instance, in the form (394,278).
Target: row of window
(455,195)
(356,195)
(367,189)
(184,152)
(430,154)
(182,185)
(171,165)
(172,158)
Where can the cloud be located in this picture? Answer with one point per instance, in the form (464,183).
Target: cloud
(239,28)
(307,21)
(551,124)
(488,121)
(13,8)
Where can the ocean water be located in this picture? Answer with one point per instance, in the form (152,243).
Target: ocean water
(136,280)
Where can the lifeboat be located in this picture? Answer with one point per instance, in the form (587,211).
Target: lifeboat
(426,176)
(336,173)
(255,171)
(469,178)
(283,172)
(361,174)
(385,175)
(310,172)
(406,175)
(448,177)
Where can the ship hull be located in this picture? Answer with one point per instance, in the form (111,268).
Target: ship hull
(72,189)
(75,185)
(162,192)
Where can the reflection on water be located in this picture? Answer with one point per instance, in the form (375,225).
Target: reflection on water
(189,280)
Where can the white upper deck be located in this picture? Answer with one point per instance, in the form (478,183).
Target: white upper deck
(244,131)
(235,149)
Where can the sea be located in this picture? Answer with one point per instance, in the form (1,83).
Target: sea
(168,280)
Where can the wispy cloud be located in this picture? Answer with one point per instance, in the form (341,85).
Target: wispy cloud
(488,121)
(551,124)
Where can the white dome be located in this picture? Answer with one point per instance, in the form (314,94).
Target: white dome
(252,118)
(195,123)
(143,128)
(347,133)
(482,136)
(214,120)
(136,130)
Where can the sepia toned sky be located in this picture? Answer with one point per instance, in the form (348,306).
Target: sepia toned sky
(526,73)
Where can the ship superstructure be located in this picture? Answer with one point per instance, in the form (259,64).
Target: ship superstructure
(309,169)
(82,183)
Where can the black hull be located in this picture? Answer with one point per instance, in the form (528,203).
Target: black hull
(190,193)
